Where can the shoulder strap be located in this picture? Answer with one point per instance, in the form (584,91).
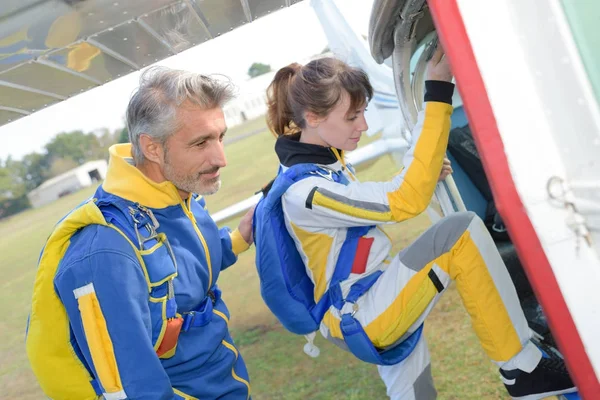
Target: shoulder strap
(280,185)
(116,213)
(298,172)
(140,226)
(301,171)
(287,178)
(134,220)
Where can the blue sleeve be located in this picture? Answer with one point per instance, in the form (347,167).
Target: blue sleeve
(106,298)
(232,243)
(228,256)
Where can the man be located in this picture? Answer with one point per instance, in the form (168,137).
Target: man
(125,302)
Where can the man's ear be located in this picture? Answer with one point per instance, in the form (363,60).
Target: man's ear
(153,151)
(312,119)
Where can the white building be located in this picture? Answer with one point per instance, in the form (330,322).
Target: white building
(69,182)
(250,102)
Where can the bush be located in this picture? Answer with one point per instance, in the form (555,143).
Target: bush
(13,206)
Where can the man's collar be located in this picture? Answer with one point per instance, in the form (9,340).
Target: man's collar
(123,179)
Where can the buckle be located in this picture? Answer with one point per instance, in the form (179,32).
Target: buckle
(354,308)
(326,172)
(142,216)
(199,317)
(213,297)
(188,320)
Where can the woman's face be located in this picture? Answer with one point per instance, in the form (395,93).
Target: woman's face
(343,127)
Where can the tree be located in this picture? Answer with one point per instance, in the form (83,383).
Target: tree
(76,145)
(33,170)
(6,183)
(257,69)
(60,166)
(106,138)
(12,182)
(123,136)
(64,152)
(13,197)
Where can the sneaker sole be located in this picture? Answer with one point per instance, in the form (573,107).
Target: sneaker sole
(569,396)
(540,396)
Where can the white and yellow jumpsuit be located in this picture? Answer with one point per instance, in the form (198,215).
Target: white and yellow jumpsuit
(318,213)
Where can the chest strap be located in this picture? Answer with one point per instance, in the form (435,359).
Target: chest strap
(202,315)
(140,225)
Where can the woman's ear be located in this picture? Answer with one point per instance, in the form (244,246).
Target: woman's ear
(312,119)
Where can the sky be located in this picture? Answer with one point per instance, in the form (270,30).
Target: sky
(288,35)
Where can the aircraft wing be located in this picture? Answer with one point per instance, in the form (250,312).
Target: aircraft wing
(51,50)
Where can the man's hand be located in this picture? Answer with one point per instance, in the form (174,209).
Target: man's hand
(438,68)
(446,170)
(245,226)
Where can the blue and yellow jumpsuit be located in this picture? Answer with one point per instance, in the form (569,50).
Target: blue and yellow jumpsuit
(147,324)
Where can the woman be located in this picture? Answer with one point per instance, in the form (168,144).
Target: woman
(318,112)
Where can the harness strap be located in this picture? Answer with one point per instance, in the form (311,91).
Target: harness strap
(116,212)
(355,336)
(360,287)
(343,268)
(139,218)
(204,313)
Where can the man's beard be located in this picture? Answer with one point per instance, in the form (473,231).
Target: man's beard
(192,183)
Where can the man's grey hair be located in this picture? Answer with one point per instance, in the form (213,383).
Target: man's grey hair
(153,107)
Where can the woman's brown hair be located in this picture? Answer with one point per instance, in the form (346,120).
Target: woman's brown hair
(316,87)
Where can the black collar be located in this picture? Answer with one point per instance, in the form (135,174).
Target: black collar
(291,151)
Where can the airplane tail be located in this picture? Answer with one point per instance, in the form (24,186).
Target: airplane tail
(350,47)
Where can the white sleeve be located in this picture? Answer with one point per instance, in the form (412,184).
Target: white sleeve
(318,202)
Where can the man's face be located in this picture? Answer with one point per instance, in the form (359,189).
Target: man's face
(194,154)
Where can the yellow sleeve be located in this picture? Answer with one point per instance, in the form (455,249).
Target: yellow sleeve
(238,244)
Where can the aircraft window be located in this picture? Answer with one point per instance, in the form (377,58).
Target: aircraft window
(417,73)
(177,25)
(220,16)
(583,19)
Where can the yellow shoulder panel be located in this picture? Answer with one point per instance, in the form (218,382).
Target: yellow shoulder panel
(59,372)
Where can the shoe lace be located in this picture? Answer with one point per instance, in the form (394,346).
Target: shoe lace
(554,364)
(549,348)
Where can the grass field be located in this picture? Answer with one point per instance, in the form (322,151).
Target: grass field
(278,367)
